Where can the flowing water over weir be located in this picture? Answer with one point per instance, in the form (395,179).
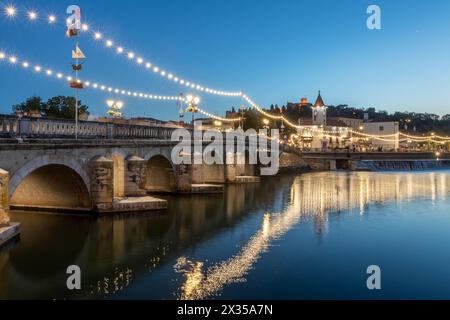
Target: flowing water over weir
(403,165)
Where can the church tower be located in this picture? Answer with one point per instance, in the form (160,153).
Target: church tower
(319,112)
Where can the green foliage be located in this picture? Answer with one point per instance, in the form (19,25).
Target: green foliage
(251,119)
(31,105)
(64,108)
(59,107)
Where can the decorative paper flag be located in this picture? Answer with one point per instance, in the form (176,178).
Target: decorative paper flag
(76,85)
(71,32)
(77,67)
(78,54)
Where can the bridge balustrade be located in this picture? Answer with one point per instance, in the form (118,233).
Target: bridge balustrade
(14,127)
(9,126)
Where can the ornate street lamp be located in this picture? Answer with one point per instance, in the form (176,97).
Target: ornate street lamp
(193,103)
(114,108)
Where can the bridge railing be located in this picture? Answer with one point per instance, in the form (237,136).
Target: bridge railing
(13,127)
(9,126)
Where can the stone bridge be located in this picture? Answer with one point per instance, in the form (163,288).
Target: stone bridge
(111,168)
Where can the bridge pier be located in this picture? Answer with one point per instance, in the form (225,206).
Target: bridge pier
(102,181)
(230,173)
(135,168)
(102,187)
(8,230)
(184,176)
(4,182)
(198,174)
(333,165)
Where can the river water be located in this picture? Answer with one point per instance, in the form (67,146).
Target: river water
(310,236)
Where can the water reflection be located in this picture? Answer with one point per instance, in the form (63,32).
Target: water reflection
(113,251)
(313,196)
(116,254)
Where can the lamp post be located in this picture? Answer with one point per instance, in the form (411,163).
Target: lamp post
(193,103)
(114,108)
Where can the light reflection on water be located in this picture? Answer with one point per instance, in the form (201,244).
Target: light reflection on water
(314,196)
(203,245)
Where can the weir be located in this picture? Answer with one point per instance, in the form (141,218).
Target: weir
(400,165)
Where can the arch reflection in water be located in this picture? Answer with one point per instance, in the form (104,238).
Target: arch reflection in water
(312,196)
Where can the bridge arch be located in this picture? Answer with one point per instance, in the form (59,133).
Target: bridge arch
(47,182)
(160,174)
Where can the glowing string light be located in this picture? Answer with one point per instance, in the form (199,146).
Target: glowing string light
(87,84)
(12,11)
(32,15)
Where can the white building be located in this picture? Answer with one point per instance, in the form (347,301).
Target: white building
(319,111)
(319,133)
(388,133)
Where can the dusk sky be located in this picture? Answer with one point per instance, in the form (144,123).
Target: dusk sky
(275,51)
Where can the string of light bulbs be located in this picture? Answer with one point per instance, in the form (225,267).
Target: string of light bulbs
(433,136)
(39,69)
(33,15)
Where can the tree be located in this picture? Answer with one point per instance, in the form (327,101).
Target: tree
(251,119)
(33,105)
(61,107)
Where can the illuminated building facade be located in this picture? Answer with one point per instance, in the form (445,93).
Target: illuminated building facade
(320,133)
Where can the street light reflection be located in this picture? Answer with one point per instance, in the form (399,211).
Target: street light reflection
(314,196)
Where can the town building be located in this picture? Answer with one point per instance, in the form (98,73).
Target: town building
(387,133)
(318,132)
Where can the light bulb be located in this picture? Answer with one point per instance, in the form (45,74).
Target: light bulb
(10,11)
(32,15)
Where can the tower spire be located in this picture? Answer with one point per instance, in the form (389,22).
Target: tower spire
(319,101)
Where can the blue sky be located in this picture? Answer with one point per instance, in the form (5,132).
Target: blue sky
(276,51)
